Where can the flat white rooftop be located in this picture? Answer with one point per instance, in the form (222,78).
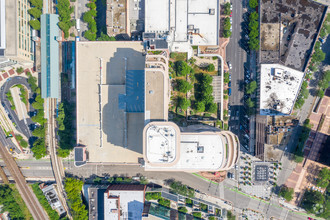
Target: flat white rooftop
(126,204)
(184,21)
(279,87)
(203,151)
(157,15)
(163,142)
(166,148)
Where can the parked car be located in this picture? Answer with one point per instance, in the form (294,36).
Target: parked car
(3,104)
(321,40)
(229,91)
(229,76)
(229,65)
(229,84)
(9,116)
(231,7)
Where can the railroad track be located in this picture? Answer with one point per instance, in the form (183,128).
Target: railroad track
(56,163)
(28,196)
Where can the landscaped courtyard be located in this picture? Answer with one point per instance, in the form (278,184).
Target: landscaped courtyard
(192,92)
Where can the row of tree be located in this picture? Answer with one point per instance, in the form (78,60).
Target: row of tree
(39,146)
(89,17)
(203,94)
(303,135)
(35,11)
(254,31)
(323,83)
(66,129)
(53,215)
(65,10)
(73,189)
(226,28)
(325,30)
(303,94)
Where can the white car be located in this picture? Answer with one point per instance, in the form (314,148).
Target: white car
(231,20)
(231,7)
(229,65)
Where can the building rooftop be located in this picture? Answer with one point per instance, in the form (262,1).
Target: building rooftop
(124,202)
(50,79)
(279,87)
(52,198)
(167,148)
(288,31)
(2,25)
(186,22)
(116,17)
(110,113)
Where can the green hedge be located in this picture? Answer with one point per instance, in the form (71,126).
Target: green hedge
(53,215)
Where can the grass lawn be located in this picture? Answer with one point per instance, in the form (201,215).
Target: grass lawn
(20,202)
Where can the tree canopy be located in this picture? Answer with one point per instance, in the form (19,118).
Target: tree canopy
(73,189)
(286,193)
(9,203)
(251,87)
(183,103)
(182,68)
(183,85)
(253,3)
(227,10)
(323,178)
(210,68)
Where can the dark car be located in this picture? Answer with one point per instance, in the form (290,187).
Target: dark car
(3,104)
(9,116)
(229,84)
(229,91)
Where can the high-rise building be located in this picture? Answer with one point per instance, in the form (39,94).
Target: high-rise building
(16,45)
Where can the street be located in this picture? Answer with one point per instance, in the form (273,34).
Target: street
(21,126)
(237,57)
(225,190)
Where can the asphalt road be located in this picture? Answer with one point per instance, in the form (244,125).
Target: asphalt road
(81,9)
(225,190)
(25,191)
(21,126)
(237,57)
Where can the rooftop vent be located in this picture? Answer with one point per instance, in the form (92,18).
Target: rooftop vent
(212,11)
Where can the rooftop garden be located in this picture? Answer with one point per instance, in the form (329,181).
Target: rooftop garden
(192,88)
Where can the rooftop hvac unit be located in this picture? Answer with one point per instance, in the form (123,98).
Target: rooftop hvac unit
(211,11)
(190,27)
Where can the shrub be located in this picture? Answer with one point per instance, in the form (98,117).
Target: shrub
(164,202)
(153,195)
(197,215)
(182,209)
